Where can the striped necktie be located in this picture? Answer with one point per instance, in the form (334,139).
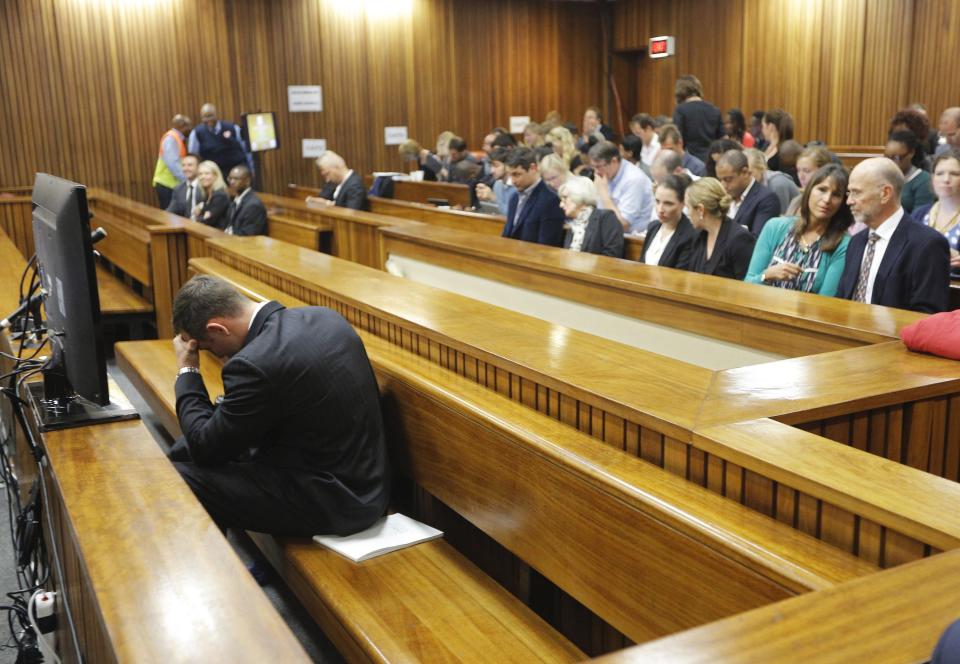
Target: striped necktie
(860,292)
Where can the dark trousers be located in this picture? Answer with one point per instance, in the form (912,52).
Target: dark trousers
(246,495)
(164,194)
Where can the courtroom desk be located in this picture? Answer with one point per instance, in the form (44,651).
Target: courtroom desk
(421,191)
(785,322)
(892,617)
(356,233)
(475,222)
(148,576)
(649,405)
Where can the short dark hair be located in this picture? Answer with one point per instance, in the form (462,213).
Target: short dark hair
(604,151)
(542,152)
(735,159)
(202,298)
(633,145)
(642,119)
(500,154)
(194,155)
(596,111)
(522,158)
(457,143)
(504,141)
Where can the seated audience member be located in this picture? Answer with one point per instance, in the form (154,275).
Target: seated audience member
(630,150)
(218,141)
(790,152)
(905,151)
(469,173)
(753,204)
(717,148)
(807,253)
(565,147)
(504,140)
(589,229)
(667,163)
(593,126)
(501,192)
(344,187)
(621,187)
(535,214)
(735,128)
(553,118)
(756,130)
(456,152)
(722,247)
(809,162)
(533,135)
(894,261)
(213,201)
(246,214)
(777,127)
(944,215)
(297,446)
(187,193)
(781,184)
(411,151)
(554,171)
(643,128)
(949,130)
(699,122)
(916,121)
(670,139)
(443,154)
(669,238)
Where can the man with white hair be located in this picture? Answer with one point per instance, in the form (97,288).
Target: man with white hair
(894,261)
(344,187)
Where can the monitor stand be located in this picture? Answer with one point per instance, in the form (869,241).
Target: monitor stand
(73,411)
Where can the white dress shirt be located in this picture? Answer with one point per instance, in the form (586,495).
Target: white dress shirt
(660,241)
(885,231)
(336,192)
(649,151)
(735,206)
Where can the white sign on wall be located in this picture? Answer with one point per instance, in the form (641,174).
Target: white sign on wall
(314,147)
(394,135)
(304,98)
(518,122)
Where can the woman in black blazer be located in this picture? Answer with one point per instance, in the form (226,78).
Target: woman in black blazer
(722,247)
(670,238)
(589,229)
(212,209)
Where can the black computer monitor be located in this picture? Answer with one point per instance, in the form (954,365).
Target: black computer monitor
(74,390)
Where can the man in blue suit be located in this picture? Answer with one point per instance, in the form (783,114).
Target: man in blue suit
(894,261)
(753,204)
(535,214)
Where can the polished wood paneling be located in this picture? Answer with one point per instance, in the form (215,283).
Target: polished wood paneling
(841,68)
(94,108)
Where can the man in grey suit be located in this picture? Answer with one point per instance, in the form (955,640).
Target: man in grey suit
(186,195)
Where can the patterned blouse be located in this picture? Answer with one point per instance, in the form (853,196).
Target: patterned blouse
(791,251)
(579,227)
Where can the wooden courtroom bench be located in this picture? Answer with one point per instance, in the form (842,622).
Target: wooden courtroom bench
(453,193)
(590,486)
(745,479)
(851,155)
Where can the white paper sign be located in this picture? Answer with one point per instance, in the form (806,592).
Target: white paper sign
(304,98)
(314,147)
(394,135)
(518,122)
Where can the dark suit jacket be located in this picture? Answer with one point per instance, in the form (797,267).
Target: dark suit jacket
(759,206)
(178,200)
(677,252)
(352,194)
(914,273)
(541,219)
(604,235)
(731,252)
(250,217)
(217,207)
(300,398)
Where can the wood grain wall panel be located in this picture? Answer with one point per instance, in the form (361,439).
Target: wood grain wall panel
(889,47)
(841,67)
(934,77)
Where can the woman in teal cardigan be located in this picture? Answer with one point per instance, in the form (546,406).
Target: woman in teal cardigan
(808,252)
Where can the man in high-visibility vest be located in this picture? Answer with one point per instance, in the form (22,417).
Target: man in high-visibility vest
(168,173)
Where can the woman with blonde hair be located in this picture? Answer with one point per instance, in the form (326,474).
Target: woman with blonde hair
(722,247)
(565,147)
(214,201)
(533,135)
(426,161)
(554,171)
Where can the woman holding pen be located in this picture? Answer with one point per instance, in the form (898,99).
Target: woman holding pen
(807,252)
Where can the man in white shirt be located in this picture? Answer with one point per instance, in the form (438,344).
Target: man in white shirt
(642,126)
(894,261)
(753,204)
(621,187)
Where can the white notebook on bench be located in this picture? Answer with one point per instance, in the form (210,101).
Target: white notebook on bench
(390,533)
